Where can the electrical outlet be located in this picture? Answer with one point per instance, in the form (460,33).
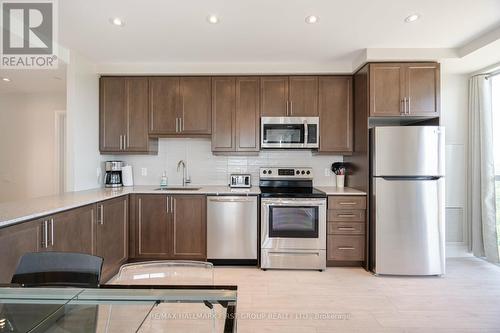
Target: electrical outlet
(98,173)
(327,172)
(144,172)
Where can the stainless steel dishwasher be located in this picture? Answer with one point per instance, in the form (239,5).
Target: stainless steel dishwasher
(232,229)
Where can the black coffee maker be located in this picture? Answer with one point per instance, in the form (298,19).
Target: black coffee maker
(113,176)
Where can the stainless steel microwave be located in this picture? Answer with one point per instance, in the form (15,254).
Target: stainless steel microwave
(289,132)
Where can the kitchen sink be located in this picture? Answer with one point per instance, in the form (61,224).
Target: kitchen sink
(178,188)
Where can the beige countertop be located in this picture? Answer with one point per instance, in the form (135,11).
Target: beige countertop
(333,190)
(24,210)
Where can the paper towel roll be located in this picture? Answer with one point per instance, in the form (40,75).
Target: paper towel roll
(127,176)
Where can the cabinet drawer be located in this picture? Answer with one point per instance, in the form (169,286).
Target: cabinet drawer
(342,228)
(346,215)
(347,202)
(350,248)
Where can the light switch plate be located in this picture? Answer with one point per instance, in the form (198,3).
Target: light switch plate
(327,172)
(144,172)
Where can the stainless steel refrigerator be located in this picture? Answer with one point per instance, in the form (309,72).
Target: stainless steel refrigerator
(407,203)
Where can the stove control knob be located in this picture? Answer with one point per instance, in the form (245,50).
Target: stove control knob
(264,172)
(303,172)
(270,171)
(297,172)
(308,172)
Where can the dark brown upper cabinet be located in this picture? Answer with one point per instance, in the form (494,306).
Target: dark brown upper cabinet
(124,116)
(293,96)
(404,89)
(336,114)
(180,106)
(235,114)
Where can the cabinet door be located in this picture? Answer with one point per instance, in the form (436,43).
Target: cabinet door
(223,114)
(112,112)
(152,227)
(274,96)
(164,105)
(386,89)
(247,114)
(137,139)
(72,231)
(112,235)
(335,112)
(303,96)
(15,241)
(196,106)
(422,89)
(189,227)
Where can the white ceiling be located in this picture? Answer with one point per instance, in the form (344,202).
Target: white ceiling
(266,31)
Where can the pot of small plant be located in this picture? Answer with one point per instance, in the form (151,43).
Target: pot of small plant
(340,170)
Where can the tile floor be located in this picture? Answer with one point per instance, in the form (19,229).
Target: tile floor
(466,299)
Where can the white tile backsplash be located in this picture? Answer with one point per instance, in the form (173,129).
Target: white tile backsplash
(208,169)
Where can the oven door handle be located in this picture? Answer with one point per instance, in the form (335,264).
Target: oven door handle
(281,202)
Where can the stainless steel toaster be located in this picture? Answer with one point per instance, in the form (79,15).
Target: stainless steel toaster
(240,180)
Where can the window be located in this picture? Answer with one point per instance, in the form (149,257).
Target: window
(495,82)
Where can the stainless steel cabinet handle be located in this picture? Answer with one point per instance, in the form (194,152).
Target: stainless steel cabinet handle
(182,123)
(168,198)
(101,210)
(346,215)
(121,142)
(286,108)
(126,141)
(52,232)
(346,228)
(176,125)
(409,105)
(345,248)
(45,236)
(347,203)
(172,207)
(291,108)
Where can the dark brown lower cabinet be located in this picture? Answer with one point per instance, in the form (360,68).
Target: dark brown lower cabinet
(346,239)
(15,241)
(71,231)
(112,235)
(152,228)
(169,227)
(189,227)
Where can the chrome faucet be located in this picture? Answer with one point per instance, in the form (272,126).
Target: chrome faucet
(185,178)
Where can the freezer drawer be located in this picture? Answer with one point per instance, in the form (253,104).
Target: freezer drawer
(408,151)
(409,227)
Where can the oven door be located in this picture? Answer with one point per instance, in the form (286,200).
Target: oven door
(293,223)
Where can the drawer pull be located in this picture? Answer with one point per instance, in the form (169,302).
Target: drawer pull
(346,248)
(346,215)
(346,228)
(347,203)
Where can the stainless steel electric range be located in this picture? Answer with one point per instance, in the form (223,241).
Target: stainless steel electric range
(293,220)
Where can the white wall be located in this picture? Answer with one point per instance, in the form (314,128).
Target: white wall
(454,105)
(208,169)
(83,158)
(27,144)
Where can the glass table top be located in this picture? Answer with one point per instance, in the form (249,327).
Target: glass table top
(118,308)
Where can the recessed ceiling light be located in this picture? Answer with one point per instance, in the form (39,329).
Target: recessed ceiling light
(412,18)
(311,19)
(213,19)
(117,21)
(5,79)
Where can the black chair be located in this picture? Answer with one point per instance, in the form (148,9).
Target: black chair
(58,269)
